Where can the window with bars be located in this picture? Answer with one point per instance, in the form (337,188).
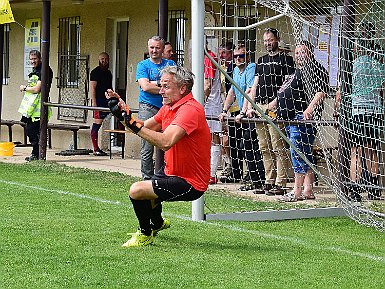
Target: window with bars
(69,52)
(177,31)
(6,54)
(240,15)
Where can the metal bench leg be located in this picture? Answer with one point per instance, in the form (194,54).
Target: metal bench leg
(123,145)
(10,132)
(49,139)
(75,131)
(110,143)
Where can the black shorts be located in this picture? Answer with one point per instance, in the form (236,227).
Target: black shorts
(100,114)
(172,188)
(366,129)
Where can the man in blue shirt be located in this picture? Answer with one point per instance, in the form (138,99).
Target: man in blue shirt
(150,101)
(243,134)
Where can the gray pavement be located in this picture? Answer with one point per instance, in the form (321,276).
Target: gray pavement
(132,167)
(116,164)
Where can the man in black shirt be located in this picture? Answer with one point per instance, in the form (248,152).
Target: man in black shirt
(31,103)
(269,76)
(100,81)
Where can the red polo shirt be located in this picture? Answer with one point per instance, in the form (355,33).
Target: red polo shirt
(189,158)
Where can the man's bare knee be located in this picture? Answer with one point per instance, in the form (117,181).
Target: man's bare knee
(135,191)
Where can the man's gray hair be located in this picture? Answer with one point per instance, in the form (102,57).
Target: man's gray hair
(182,76)
(158,38)
(35,53)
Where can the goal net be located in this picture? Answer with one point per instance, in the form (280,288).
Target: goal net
(327,75)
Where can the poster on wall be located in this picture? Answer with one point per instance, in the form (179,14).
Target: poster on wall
(31,42)
(324,36)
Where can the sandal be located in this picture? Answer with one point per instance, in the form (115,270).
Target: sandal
(309,197)
(290,197)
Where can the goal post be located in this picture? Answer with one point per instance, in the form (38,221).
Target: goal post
(346,38)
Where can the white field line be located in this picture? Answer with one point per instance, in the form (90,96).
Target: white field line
(82,196)
(300,242)
(229,227)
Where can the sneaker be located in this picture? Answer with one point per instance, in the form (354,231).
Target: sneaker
(166,225)
(249,186)
(355,192)
(228,179)
(139,239)
(100,153)
(275,190)
(262,189)
(31,158)
(213,180)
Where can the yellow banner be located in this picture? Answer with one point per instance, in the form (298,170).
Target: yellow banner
(32,33)
(6,15)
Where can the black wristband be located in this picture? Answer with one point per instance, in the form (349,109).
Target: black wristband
(135,127)
(224,111)
(158,83)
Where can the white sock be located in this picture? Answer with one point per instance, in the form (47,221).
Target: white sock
(215,159)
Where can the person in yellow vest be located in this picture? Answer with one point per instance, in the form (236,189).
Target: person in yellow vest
(31,102)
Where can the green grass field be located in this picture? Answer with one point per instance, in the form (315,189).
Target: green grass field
(63,227)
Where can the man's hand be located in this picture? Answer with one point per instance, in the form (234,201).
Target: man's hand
(122,111)
(222,116)
(308,113)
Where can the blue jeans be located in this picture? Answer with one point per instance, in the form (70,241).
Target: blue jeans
(146,111)
(302,137)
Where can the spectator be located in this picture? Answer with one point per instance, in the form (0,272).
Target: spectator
(150,101)
(226,56)
(243,135)
(31,102)
(100,81)
(168,51)
(368,118)
(301,98)
(186,142)
(213,106)
(270,74)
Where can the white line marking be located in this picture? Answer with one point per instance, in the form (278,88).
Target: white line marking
(229,227)
(63,193)
(300,242)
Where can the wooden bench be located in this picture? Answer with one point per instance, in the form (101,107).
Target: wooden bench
(51,126)
(114,135)
(10,124)
(61,126)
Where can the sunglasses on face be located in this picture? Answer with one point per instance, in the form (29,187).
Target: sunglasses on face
(239,55)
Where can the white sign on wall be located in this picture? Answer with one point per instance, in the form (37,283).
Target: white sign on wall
(31,42)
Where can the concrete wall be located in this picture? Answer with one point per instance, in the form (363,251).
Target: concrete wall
(97,34)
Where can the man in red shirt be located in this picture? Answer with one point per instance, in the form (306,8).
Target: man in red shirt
(180,129)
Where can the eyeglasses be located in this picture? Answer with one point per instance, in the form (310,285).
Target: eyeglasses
(239,55)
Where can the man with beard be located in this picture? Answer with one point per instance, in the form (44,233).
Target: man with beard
(100,81)
(269,76)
